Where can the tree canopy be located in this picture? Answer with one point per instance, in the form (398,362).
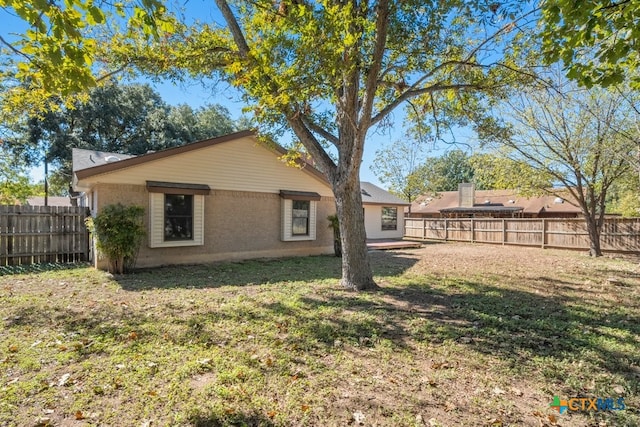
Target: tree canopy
(128,119)
(598,41)
(400,166)
(57,56)
(14,181)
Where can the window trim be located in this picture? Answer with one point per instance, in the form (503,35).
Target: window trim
(157,192)
(177,188)
(288,197)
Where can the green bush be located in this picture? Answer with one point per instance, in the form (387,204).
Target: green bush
(118,231)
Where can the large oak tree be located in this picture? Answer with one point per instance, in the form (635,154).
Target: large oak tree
(330,71)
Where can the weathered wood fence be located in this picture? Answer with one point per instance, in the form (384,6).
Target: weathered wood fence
(618,234)
(42,234)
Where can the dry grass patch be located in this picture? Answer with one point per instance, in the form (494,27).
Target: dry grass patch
(457,335)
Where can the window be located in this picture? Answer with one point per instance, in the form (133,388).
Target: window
(300,217)
(389,218)
(178,217)
(176,214)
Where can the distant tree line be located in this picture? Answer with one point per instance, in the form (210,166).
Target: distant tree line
(129,119)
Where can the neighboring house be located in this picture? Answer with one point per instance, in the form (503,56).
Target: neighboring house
(470,203)
(383,212)
(220,199)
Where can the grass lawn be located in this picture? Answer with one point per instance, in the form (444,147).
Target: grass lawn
(456,335)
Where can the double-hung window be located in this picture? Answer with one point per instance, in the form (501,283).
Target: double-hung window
(176,215)
(298,215)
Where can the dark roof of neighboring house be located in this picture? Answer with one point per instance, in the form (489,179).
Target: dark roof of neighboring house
(494,200)
(51,201)
(86,170)
(374,195)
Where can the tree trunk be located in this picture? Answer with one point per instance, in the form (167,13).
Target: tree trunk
(356,270)
(116,265)
(594,236)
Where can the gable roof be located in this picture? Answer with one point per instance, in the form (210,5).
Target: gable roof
(86,170)
(374,195)
(497,200)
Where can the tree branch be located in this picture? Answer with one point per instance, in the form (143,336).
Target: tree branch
(321,131)
(234,27)
(311,143)
(14,50)
(371,81)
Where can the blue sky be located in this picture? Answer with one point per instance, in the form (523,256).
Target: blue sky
(196,95)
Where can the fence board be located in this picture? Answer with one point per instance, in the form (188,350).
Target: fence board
(617,234)
(37,234)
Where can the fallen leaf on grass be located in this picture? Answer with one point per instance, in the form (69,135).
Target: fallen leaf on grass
(43,422)
(304,408)
(271,414)
(64,380)
(498,391)
(448,407)
(79,415)
(619,389)
(133,335)
(440,365)
(358,417)
(13,349)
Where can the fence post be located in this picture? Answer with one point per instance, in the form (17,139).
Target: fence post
(424,229)
(446,229)
(504,231)
(473,230)
(544,233)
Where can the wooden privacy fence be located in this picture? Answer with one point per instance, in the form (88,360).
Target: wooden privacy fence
(39,234)
(618,234)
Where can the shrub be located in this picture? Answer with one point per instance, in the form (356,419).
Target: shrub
(118,231)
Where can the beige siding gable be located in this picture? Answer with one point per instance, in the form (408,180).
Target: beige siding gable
(238,165)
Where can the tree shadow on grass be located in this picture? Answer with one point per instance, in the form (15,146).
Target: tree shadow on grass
(256,272)
(527,329)
(40,268)
(240,420)
(519,326)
